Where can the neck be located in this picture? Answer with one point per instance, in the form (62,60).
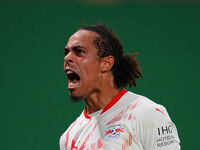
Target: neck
(99,99)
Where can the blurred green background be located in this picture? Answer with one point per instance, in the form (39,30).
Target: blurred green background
(34,105)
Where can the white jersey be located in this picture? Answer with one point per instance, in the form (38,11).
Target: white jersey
(129,122)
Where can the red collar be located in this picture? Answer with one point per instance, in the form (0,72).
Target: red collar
(110,104)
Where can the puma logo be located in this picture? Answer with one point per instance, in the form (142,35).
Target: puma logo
(160,111)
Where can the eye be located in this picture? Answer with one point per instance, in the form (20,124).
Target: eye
(66,51)
(79,51)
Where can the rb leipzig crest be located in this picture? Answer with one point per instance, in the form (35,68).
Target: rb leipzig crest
(114,132)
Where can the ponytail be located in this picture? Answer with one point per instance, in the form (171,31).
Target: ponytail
(127,70)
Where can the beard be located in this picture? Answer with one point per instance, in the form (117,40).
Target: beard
(75,99)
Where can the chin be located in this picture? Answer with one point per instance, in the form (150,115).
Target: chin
(75,98)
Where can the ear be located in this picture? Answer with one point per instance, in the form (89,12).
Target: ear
(106,63)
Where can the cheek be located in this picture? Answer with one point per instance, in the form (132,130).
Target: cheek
(64,64)
(90,69)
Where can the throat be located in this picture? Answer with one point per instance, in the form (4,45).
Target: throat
(98,100)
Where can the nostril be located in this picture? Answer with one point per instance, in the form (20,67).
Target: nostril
(67,59)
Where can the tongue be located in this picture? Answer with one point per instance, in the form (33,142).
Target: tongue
(73,84)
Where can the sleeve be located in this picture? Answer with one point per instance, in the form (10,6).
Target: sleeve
(61,143)
(65,138)
(156,130)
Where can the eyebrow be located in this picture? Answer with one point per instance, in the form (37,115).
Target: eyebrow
(74,48)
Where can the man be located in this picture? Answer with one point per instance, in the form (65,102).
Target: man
(113,119)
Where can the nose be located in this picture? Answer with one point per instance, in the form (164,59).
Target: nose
(69,57)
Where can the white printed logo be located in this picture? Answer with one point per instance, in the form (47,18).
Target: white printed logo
(114,132)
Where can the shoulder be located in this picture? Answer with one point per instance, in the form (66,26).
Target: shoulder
(75,123)
(151,111)
(65,137)
(147,112)
(145,106)
(153,125)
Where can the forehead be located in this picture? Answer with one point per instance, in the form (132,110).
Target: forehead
(82,37)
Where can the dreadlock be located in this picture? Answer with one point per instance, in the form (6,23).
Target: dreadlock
(126,67)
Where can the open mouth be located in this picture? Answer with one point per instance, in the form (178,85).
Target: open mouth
(73,79)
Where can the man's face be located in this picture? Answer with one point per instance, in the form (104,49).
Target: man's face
(82,64)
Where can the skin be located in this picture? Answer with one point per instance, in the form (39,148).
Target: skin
(96,85)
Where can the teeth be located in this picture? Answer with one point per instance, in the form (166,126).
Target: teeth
(69,72)
(73,84)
